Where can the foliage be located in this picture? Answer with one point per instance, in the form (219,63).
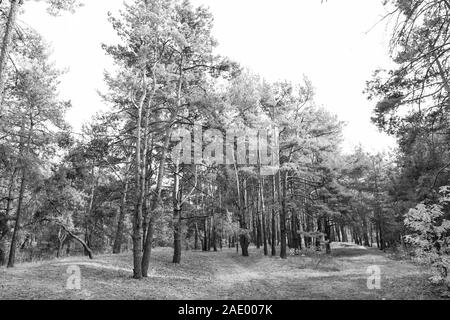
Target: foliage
(430,234)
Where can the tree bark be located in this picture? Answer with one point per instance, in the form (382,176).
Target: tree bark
(12,251)
(4,220)
(161,170)
(344,234)
(120,224)
(196,237)
(176,236)
(137,220)
(263,217)
(214,235)
(283,249)
(382,242)
(327,236)
(87,236)
(2,252)
(244,237)
(61,238)
(365,233)
(176,217)
(85,246)
(205,238)
(6,44)
(274,223)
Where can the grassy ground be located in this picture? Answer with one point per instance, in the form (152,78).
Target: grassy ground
(223,275)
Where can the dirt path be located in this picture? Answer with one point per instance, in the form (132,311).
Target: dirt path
(223,275)
(342,276)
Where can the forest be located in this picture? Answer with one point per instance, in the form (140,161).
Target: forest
(143,189)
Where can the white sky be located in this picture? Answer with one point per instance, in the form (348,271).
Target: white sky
(278,39)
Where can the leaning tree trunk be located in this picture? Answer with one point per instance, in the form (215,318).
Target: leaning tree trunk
(6,44)
(85,246)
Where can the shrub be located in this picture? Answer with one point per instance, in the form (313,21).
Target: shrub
(429,235)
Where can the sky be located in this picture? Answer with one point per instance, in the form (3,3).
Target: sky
(334,44)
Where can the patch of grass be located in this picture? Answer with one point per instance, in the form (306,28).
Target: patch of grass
(223,275)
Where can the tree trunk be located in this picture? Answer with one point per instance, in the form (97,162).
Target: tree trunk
(338,233)
(214,236)
(176,235)
(12,251)
(4,220)
(382,243)
(2,252)
(319,229)
(137,219)
(68,248)
(257,229)
(89,209)
(176,215)
(263,218)
(161,170)
(6,44)
(274,223)
(209,234)
(327,236)
(61,238)
(196,237)
(205,238)
(243,239)
(120,224)
(85,246)
(344,234)
(283,249)
(365,233)
(294,233)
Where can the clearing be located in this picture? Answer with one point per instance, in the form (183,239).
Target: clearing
(223,275)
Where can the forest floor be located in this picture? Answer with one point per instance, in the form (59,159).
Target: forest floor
(224,275)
